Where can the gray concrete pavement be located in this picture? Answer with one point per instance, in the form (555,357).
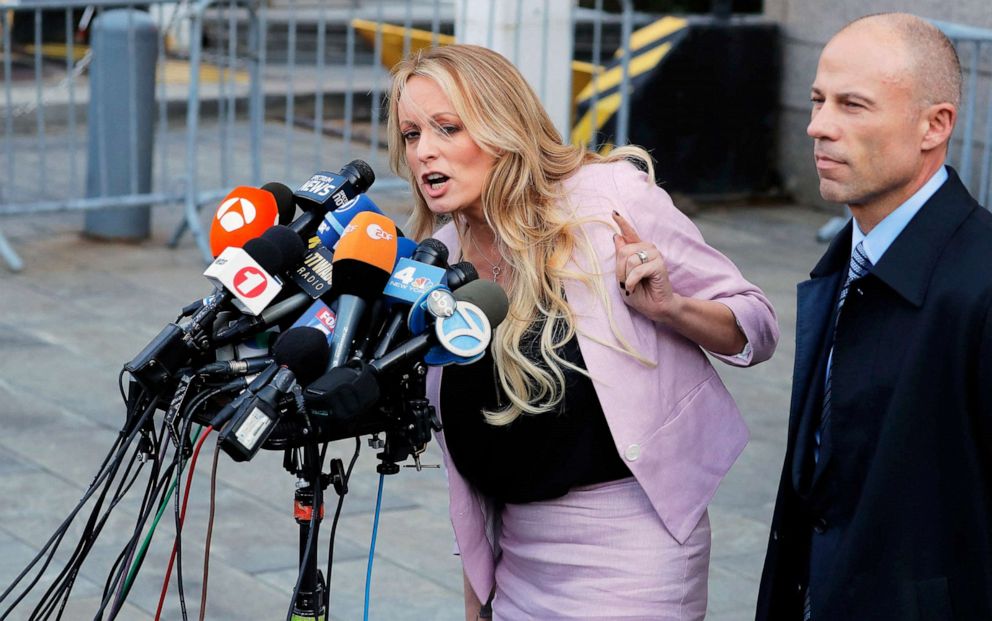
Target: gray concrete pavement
(80,309)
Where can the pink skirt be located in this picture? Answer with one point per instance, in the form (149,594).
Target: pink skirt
(600,552)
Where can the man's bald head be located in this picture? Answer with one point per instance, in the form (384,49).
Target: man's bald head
(931,58)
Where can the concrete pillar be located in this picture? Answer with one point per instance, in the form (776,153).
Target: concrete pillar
(536,35)
(121,121)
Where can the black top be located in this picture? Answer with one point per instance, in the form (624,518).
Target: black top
(536,457)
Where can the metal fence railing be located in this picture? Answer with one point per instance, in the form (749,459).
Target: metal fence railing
(246,91)
(46,108)
(971,149)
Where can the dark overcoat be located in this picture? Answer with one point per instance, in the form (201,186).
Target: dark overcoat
(900,500)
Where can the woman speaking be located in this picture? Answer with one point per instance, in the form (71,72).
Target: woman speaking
(583,449)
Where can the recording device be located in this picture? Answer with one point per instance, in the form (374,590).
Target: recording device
(332,227)
(176,346)
(320,316)
(325,191)
(410,279)
(464,330)
(460,274)
(275,313)
(300,356)
(363,262)
(243,276)
(246,212)
(284,201)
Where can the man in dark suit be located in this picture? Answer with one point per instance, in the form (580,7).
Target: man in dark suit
(884,508)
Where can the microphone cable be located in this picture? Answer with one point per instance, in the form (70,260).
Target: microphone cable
(113,594)
(375,531)
(181,516)
(195,404)
(57,593)
(107,470)
(136,555)
(210,532)
(337,515)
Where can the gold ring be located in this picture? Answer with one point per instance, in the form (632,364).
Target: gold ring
(643,256)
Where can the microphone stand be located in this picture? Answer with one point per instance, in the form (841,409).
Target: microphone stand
(311,599)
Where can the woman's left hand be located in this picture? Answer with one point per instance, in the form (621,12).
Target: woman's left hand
(643,274)
(643,277)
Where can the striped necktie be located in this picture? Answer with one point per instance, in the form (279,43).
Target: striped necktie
(858,268)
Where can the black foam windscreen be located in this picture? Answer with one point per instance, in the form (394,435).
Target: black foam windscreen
(488,296)
(460,274)
(265,253)
(284,200)
(359,174)
(289,244)
(304,351)
(432,252)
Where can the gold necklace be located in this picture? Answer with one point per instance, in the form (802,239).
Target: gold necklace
(497,268)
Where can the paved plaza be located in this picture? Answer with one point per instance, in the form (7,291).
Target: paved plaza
(81,309)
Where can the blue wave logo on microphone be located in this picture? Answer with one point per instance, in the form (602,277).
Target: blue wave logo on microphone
(464,335)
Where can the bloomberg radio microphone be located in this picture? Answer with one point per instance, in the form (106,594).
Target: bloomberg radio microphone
(244,214)
(300,357)
(325,191)
(363,262)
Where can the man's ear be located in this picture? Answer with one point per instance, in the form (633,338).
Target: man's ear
(940,119)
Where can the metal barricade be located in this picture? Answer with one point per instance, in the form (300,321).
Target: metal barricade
(45,97)
(971,148)
(247,91)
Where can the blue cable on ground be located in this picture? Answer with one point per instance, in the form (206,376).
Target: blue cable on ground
(375,530)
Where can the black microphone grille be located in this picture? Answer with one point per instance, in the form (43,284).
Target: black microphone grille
(461,274)
(488,296)
(284,200)
(432,252)
(265,253)
(289,244)
(359,174)
(304,351)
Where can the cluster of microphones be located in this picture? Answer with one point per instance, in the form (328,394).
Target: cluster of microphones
(320,324)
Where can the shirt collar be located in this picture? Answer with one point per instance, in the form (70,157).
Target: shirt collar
(885,232)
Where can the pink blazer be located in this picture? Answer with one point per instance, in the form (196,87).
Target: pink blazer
(675,424)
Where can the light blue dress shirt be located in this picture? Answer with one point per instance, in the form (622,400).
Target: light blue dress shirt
(885,232)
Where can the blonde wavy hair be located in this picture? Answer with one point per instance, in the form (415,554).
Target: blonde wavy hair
(521,199)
